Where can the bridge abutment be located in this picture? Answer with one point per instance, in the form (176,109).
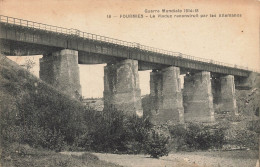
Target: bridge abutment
(121,87)
(166,96)
(197,98)
(60,69)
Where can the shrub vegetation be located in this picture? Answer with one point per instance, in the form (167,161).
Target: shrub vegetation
(157,143)
(197,136)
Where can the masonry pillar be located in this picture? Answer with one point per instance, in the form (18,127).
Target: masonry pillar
(155,92)
(215,85)
(166,96)
(60,69)
(197,98)
(227,94)
(121,87)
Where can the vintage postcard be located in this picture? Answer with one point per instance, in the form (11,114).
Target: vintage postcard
(130,83)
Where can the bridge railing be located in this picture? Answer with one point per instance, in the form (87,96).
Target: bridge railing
(75,32)
(31,24)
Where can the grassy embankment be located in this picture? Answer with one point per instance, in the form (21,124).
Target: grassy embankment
(31,112)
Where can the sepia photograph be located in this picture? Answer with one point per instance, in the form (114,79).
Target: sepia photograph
(129,83)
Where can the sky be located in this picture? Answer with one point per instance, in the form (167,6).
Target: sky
(233,40)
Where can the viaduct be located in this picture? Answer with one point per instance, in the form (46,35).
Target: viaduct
(206,82)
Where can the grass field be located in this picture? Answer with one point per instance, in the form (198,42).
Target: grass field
(25,156)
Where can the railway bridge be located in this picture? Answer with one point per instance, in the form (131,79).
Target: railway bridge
(206,82)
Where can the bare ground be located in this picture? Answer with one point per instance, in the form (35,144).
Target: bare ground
(184,159)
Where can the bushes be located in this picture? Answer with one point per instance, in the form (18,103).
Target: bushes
(254,125)
(197,137)
(156,144)
(244,139)
(114,131)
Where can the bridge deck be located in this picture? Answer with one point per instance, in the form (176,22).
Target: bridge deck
(24,37)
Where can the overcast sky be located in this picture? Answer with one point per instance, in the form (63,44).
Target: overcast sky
(231,40)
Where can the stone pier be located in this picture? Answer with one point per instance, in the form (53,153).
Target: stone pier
(197,98)
(215,88)
(121,87)
(60,69)
(166,96)
(225,93)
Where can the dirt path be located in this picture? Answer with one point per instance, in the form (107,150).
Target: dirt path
(138,160)
(219,159)
(190,159)
(143,161)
